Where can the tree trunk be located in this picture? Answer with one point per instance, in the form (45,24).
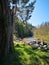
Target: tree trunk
(6,30)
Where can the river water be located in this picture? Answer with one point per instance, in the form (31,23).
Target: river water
(31,38)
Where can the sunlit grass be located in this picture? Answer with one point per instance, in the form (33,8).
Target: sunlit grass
(30,56)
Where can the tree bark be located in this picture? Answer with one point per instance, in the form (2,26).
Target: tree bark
(6,30)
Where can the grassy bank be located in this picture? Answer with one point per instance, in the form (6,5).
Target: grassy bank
(28,55)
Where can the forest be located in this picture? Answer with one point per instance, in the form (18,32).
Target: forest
(14,16)
(23,30)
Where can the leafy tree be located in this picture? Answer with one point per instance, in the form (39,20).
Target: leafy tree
(7,14)
(20,29)
(24,13)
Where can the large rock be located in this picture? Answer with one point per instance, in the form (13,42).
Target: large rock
(36,45)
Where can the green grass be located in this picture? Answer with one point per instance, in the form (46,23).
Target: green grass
(27,55)
(30,56)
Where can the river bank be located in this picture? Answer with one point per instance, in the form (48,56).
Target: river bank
(36,43)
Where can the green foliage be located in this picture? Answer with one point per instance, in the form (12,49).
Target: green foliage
(21,30)
(27,55)
(24,9)
(23,13)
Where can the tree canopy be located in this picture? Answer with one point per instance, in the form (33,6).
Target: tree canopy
(24,9)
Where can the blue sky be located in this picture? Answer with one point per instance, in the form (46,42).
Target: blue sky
(40,13)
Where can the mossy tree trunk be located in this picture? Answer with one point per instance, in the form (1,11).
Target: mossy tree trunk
(6,30)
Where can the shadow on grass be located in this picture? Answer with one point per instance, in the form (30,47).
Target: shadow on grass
(36,58)
(12,59)
(45,58)
(27,56)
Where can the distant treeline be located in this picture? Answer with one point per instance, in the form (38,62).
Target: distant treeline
(23,29)
(42,32)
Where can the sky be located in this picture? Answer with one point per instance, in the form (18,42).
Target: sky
(40,13)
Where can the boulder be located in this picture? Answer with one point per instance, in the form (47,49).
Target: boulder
(36,45)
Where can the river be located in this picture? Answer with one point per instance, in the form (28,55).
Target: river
(29,39)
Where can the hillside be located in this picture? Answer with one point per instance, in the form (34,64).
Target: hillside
(42,32)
